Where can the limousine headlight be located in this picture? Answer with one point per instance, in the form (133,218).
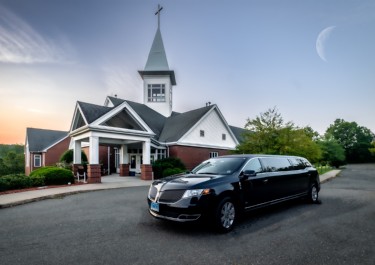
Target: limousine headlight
(194,193)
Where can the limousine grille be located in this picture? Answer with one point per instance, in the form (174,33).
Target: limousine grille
(171,196)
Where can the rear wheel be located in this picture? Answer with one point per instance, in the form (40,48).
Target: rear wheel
(225,215)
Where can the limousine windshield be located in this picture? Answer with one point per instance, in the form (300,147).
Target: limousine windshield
(220,166)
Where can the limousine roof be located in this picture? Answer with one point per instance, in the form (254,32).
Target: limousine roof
(258,155)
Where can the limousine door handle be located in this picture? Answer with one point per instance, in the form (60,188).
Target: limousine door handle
(265,181)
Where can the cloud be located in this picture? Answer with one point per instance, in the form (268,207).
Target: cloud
(35,110)
(20,43)
(121,83)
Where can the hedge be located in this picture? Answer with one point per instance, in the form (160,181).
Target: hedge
(172,171)
(167,166)
(54,175)
(20,181)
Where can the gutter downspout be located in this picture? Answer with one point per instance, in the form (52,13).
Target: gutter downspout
(109,149)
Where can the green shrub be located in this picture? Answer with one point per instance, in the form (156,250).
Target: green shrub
(67,157)
(64,165)
(54,175)
(159,166)
(20,181)
(172,171)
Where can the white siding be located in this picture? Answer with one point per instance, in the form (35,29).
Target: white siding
(213,127)
(164,108)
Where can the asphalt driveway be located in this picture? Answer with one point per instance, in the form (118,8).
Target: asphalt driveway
(114,227)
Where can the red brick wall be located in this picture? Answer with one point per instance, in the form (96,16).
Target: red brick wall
(52,156)
(193,156)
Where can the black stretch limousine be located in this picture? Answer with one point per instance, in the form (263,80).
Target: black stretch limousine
(221,187)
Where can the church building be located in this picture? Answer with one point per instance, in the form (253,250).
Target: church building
(140,133)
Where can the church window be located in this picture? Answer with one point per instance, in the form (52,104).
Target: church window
(156,93)
(201,133)
(224,136)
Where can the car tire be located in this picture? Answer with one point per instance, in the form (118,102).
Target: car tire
(314,194)
(225,216)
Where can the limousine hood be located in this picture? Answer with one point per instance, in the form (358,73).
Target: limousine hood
(189,181)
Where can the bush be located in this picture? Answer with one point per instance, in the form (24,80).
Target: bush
(20,181)
(54,175)
(172,171)
(64,165)
(67,157)
(174,166)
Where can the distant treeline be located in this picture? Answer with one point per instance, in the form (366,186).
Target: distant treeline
(12,159)
(5,148)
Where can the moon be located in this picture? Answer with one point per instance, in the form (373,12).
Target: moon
(320,41)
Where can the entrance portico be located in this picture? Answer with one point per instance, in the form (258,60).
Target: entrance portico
(94,139)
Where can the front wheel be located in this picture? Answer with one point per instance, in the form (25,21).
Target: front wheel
(314,194)
(225,215)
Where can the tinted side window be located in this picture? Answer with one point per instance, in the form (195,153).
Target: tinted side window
(306,162)
(272,164)
(253,164)
(297,163)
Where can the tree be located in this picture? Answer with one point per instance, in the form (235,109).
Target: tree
(372,149)
(268,134)
(13,163)
(12,159)
(332,152)
(355,139)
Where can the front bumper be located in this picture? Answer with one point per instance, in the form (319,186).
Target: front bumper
(182,211)
(180,218)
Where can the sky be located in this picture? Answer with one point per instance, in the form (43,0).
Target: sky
(314,60)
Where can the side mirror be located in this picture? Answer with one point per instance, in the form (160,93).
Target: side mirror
(247,173)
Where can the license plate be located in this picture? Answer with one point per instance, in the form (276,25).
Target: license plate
(155,206)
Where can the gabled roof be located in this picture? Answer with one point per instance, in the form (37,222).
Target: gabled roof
(152,118)
(169,129)
(92,111)
(40,139)
(238,132)
(180,123)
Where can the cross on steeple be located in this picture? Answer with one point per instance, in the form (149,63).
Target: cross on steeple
(160,8)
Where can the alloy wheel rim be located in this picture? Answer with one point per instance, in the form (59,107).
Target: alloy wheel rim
(314,193)
(227,215)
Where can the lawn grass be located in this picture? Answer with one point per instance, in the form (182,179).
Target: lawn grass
(323,169)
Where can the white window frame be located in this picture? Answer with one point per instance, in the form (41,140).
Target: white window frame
(214,154)
(153,96)
(39,156)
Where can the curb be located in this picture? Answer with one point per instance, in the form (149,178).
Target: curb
(330,175)
(45,197)
(58,195)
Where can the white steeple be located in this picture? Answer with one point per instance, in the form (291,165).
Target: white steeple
(157,78)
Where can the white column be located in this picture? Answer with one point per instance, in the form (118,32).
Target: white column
(77,152)
(94,150)
(146,152)
(124,157)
